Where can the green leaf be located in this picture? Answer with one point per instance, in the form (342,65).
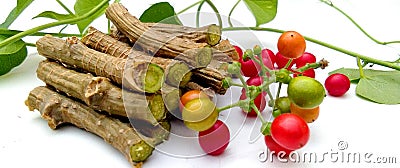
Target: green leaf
(53,15)
(161,12)
(21,5)
(380,88)
(11,55)
(82,7)
(263,10)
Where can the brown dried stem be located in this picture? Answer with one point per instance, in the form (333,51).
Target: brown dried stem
(195,86)
(58,109)
(176,72)
(210,77)
(118,35)
(225,52)
(138,75)
(171,96)
(156,42)
(210,34)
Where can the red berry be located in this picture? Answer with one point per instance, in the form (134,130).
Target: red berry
(290,131)
(215,140)
(337,84)
(260,101)
(250,68)
(281,61)
(267,53)
(254,81)
(274,147)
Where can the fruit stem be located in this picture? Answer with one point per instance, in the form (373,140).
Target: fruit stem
(241,78)
(351,53)
(253,106)
(288,63)
(360,68)
(65,7)
(271,97)
(264,68)
(237,104)
(279,90)
(320,64)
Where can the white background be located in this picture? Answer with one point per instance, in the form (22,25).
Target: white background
(26,140)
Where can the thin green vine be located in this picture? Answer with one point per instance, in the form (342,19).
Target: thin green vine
(14,32)
(20,35)
(189,7)
(351,53)
(213,7)
(65,7)
(230,13)
(198,13)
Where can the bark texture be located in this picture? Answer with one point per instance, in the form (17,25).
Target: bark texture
(100,94)
(58,109)
(210,34)
(176,72)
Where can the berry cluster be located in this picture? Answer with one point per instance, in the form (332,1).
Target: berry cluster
(288,131)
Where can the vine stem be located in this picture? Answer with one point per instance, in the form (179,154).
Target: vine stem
(65,7)
(14,32)
(237,84)
(254,107)
(20,35)
(230,106)
(351,53)
(308,66)
(215,9)
(356,24)
(230,13)
(198,13)
(190,6)
(241,78)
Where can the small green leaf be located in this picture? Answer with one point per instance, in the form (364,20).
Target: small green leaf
(21,5)
(82,7)
(161,12)
(53,15)
(11,55)
(380,88)
(263,10)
